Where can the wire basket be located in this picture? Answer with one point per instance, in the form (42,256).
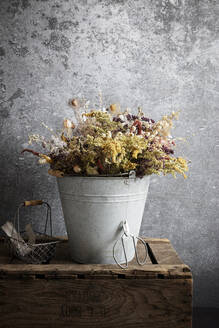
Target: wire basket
(39,252)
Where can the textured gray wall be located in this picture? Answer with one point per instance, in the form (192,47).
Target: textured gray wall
(162,55)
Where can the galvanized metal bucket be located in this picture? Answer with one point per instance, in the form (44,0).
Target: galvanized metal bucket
(94,209)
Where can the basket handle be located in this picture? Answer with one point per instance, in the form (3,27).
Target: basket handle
(33,202)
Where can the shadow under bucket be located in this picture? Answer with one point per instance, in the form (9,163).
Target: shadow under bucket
(94,209)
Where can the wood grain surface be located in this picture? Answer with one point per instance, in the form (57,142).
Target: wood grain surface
(88,303)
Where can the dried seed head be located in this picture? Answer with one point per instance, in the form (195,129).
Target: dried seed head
(63,138)
(74,102)
(68,124)
(42,161)
(113,108)
(140,113)
(76,168)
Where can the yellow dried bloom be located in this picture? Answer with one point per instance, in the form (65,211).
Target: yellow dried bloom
(91,170)
(128,165)
(111,149)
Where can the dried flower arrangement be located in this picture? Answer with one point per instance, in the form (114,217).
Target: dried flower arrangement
(111,142)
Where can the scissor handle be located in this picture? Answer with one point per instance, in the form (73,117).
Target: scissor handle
(136,252)
(114,255)
(32,202)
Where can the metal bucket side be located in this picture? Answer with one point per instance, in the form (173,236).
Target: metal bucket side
(94,208)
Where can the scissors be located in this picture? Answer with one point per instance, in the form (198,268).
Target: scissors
(126,234)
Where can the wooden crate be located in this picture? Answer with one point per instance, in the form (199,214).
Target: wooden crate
(64,294)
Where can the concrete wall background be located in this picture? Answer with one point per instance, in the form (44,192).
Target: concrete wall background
(162,55)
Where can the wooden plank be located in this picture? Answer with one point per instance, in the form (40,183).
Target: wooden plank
(58,271)
(160,251)
(103,304)
(163,253)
